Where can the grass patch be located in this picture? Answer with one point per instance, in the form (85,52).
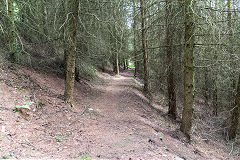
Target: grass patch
(84,156)
(131,66)
(25,106)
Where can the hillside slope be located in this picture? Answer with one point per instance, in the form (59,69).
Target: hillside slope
(111,119)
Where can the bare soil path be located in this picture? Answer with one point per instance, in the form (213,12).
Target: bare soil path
(112,119)
(126,126)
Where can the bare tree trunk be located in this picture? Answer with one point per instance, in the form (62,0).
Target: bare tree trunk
(11,31)
(115,59)
(188,70)
(116,62)
(206,86)
(124,64)
(71,50)
(144,44)
(235,114)
(215,74)
(45,20)
(215,97)
(134,39)
(170,79)
(236,103)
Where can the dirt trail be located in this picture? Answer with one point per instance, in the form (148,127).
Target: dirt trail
(111,120)
(126,127)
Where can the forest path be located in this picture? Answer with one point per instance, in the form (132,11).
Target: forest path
(111,119)
(121,132)
(125,126)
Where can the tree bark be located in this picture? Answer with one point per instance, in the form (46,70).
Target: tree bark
(206,87)
(188,70)
(235,114)
(124,64)
(11,31)
(134,39)
(170,79)
(113,41)
(45,20)
(71,50)
(144,46)
(236,103)
(215,97)
(116,62)
(215,75)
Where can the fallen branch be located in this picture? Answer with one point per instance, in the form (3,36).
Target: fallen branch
(231,149)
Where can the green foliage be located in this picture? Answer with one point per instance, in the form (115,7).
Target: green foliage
(58,139)
(85,156)
(26,106)
(9,156)
(131,65)
(40,102)
(16,12)
(4,157)
(87,71)
(21,106)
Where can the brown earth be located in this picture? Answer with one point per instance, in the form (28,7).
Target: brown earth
(111,119)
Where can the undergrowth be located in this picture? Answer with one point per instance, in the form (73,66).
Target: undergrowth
(87,71)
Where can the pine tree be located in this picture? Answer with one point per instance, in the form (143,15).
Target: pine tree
(71,50)
(188,70)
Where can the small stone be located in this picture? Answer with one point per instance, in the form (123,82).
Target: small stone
(3,129)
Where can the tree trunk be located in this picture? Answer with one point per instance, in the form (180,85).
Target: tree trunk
(116,62)
(188,70)
(77,71)
(170,79)
(215,74)
(235,114)
(144,44)
(124,65)
(206,87)
(236,103)
(113,41)
(71,50)
(134,40)
(127,63)
(45,20)
(11,31)
(215,98)
(103,67)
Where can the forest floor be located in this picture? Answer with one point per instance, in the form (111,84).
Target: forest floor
(111,119)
